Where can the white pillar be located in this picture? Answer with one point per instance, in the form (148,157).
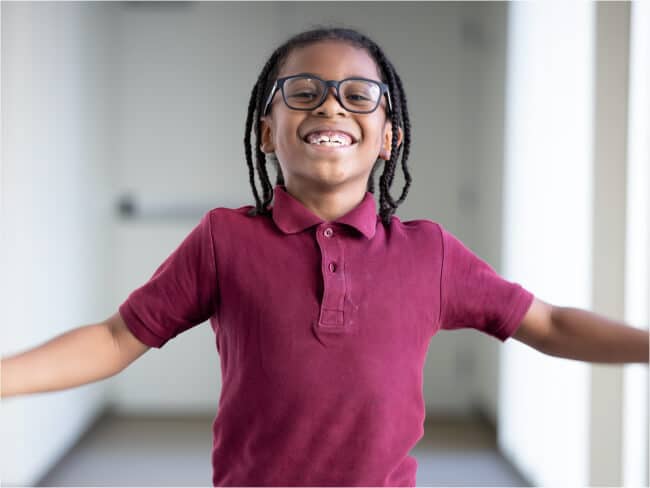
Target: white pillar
(609,212)
(637,276)
(576,234)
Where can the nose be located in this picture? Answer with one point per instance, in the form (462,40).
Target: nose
(330,105)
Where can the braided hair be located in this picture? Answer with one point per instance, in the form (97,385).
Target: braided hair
(399,118)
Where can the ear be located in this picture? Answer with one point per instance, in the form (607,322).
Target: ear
(384,153)
(266,134)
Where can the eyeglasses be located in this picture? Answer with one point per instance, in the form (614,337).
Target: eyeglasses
(307,92)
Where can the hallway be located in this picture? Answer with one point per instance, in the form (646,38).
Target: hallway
(148,451)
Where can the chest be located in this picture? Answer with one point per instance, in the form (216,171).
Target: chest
(309,297)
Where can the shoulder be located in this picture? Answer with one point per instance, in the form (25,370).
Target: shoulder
(421,238)
(418,229)
(231,215)
(235,223)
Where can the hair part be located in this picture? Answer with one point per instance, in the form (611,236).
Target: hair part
(399,119)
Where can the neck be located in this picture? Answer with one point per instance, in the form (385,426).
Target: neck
(328,203)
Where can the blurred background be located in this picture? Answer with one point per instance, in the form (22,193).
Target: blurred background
(530,142)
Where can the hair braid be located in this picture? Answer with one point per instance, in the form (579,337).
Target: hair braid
(247,145)
(387,204)
(406,147)
(254,107)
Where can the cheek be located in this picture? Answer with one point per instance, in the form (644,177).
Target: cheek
(287,143)
(287,137)
(376,130)
(376,140)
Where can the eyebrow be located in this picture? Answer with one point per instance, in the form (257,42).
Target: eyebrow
(345,78)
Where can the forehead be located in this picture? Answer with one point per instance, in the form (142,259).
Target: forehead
(331,60)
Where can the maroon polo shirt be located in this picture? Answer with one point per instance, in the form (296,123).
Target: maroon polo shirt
(322,329)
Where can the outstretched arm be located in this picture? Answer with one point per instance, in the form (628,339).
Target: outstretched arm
(579,334)
(83,355)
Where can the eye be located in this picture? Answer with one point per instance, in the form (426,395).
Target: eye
(358,97)
(303,95)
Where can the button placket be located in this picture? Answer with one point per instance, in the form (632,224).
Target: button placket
(331,312)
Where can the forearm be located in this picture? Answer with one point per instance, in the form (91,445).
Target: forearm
(586,336)
(77,357)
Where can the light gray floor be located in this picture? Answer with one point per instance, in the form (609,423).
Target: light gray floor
(147,451)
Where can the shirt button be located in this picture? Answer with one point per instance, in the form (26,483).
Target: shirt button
(328,232)
(332,267)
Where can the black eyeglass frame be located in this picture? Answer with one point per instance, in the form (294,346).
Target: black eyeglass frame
(279,84)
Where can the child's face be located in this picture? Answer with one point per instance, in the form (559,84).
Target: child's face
(283,129)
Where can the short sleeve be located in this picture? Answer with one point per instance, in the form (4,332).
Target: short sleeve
(473,295)
(181,294)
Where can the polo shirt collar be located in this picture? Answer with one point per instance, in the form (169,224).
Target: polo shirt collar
(291,215)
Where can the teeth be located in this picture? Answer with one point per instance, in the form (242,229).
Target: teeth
(334,139)
(328,143)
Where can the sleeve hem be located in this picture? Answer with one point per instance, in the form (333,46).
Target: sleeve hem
(441,283)
(511,325)
(138,328)
(214,256)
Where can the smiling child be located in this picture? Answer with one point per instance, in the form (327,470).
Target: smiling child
(323,305)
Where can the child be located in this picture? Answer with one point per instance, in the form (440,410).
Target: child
(323,310)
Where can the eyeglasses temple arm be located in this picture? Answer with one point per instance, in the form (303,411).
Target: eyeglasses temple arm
(268,100)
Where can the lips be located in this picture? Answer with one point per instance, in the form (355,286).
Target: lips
(330,132)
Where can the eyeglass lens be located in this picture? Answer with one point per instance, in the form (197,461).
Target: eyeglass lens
(305,93)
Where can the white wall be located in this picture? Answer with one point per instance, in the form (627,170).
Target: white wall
(55,217)
(544,404)
(575,225)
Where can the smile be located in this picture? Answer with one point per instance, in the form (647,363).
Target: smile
(329,146)
(329,137)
